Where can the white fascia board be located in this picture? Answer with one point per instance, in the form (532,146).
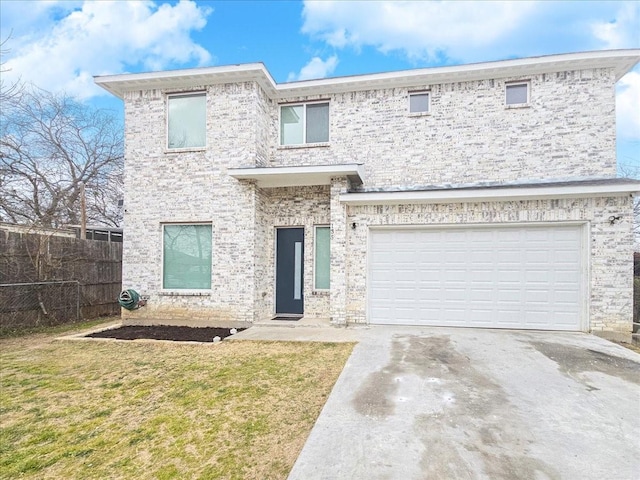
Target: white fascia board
(190,77)
(488,194)
(620,60)
(272,177)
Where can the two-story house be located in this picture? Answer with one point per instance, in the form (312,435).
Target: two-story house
(480,195)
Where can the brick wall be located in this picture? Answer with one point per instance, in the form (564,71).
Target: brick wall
(191,186)
(567,131)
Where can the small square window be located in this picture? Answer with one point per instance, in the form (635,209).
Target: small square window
(517,93)
(302,124)
(186,257)
(322,260)
(419,102)
(187,121)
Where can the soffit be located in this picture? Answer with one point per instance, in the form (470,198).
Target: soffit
(299,176)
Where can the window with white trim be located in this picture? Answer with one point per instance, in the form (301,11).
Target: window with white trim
(186,256)
(304,123)
(419,102)
(187,120)
(322,258)
(517,93)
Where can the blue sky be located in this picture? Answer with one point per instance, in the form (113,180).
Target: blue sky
(60,45)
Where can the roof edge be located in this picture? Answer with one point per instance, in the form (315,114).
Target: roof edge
(485,194)
(620,60)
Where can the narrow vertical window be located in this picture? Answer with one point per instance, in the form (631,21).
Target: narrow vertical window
(187,122)
(322,258)
(186,257)
(297,271)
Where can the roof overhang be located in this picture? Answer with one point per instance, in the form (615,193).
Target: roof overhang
(188,78)
(488,194)
(621,61)
(299,176)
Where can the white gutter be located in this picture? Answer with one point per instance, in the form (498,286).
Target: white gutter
(489,194)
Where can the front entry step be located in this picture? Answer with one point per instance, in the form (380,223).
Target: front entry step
(288,316)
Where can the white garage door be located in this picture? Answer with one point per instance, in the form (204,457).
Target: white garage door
(496,277)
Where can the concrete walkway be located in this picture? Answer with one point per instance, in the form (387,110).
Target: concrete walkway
(421,403)
(295,332)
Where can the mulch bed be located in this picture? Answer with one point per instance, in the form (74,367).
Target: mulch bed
(164,332)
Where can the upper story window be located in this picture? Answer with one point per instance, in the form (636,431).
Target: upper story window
(304,123)
(517,93)
(187,120)
(419,102)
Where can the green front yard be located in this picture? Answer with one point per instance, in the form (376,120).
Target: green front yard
(234,410)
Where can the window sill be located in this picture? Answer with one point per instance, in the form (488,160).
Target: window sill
(304,145)
(322,293)
(169,151)
(419,114)
(185,293)
(517,106)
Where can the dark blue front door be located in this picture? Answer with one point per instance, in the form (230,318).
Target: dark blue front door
(289,270)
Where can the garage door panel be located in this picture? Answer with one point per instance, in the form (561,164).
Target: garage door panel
(500,277)
(429,275)
(508,255)
(481,295)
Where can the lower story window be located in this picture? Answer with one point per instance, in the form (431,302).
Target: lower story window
(322,258)
(186,257)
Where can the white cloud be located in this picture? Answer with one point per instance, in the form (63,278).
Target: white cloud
(421,30)
(452,32)
(628,106)
(316,68)
(623,31)
(102,38)
(24,19)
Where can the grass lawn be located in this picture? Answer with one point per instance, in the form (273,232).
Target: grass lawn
(233,410)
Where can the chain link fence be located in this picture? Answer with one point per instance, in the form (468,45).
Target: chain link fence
(39,303)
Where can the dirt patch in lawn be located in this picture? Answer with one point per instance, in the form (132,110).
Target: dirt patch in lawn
(165,332)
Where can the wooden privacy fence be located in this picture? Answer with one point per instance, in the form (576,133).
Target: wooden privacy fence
(48,280)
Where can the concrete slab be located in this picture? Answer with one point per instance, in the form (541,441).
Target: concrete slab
(297,333)
(416,403)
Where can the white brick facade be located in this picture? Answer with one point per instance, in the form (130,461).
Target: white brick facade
(470,135)
(565,132)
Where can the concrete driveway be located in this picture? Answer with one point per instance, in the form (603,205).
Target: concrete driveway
(436,403)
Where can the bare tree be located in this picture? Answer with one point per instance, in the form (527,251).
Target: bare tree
(49,146)
(627,170)
(7,91)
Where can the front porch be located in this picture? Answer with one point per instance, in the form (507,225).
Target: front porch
(304,199)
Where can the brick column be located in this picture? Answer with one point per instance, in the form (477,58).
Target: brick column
(338,296)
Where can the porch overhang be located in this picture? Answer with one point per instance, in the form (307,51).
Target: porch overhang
(299,176)
(502,193)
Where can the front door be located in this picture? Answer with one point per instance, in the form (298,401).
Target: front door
(289,270)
